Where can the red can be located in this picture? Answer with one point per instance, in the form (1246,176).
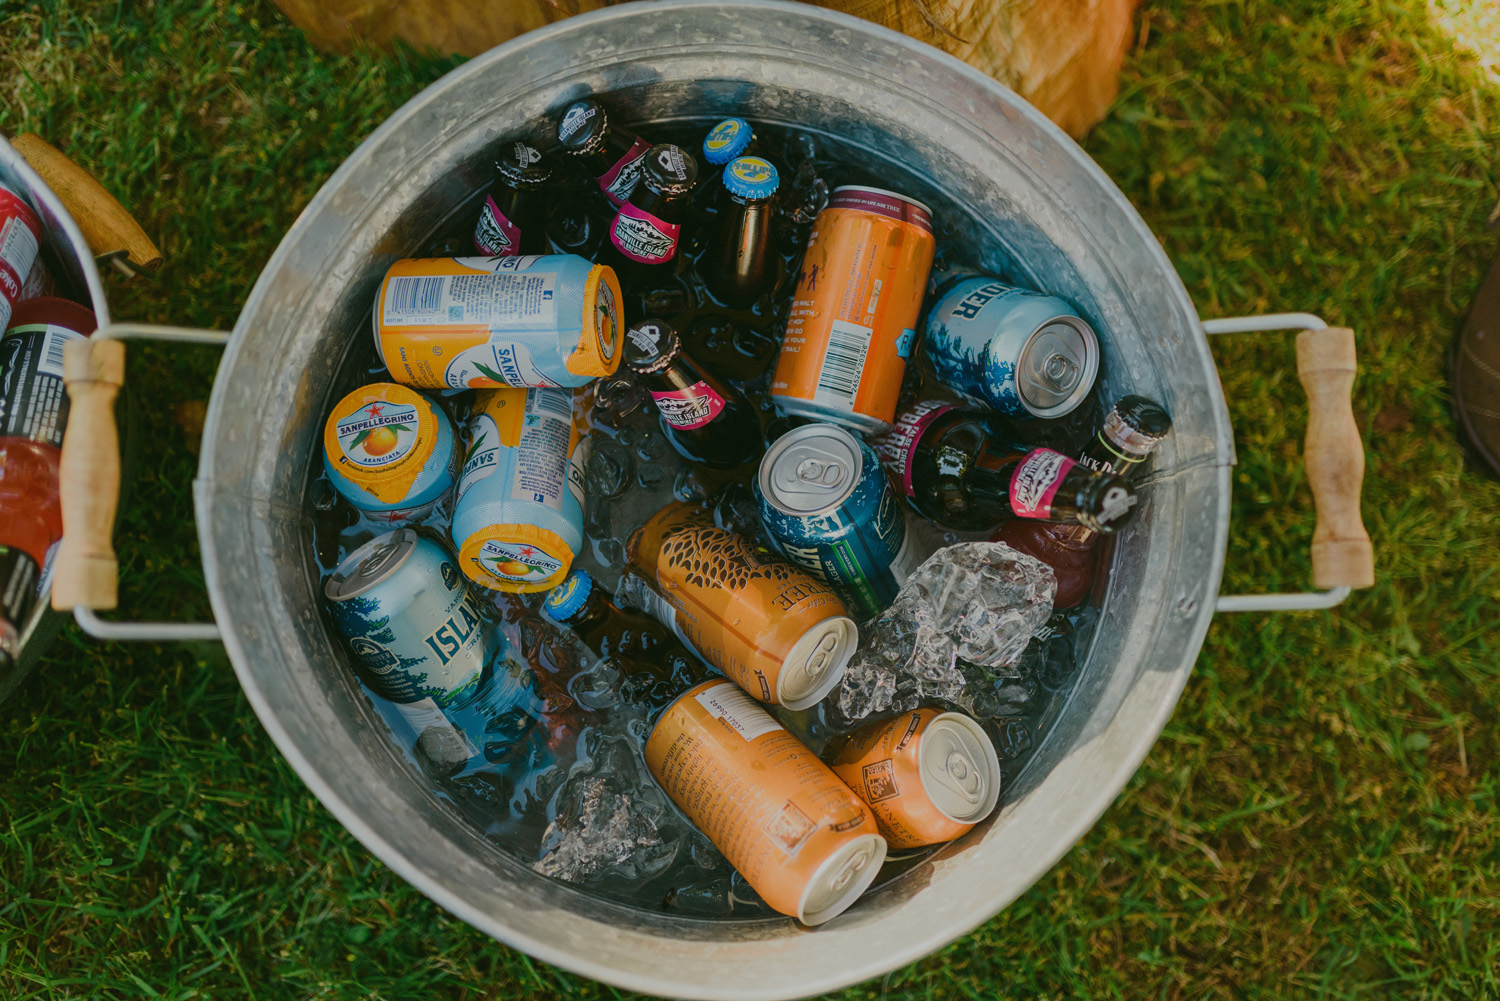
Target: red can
(20,238)
(854,315)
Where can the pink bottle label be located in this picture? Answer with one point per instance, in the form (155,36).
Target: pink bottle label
(689,408)
(897,445)
(642,237)
(620,180)
(1035,482)
(496,235)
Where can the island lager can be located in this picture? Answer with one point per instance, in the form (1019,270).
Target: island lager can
(518,512)
(1025,353)
(928,775)
(854,315)
(797,834)
(390,451)
(487,322)
(771,627)
(826,501)
(403,607)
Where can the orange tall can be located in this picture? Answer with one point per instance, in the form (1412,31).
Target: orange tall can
(797,834)
(853,322)
(769,626)
(928,775)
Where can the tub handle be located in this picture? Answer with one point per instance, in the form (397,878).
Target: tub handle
(86,577)
(1333,456)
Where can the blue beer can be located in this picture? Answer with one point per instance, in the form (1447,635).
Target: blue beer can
(1025,353)
(826,501)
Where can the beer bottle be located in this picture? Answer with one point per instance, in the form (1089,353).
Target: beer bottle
(709,422)
(607,153)
(730,139)
(574,231)
(966,469)
(1131,432)
(584,607)
(513,219)
(740,265)
(643,237)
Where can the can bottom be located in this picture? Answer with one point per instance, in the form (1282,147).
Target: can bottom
(840,880)
(795,406)
(816,662)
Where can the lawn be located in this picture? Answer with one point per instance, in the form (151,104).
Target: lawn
(1319,818)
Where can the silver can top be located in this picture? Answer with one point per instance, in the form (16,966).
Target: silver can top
(959,769)
(811,470)
(1058,366)
(840,880)
(370,564)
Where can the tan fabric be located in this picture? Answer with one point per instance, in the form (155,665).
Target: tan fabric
(1063,56)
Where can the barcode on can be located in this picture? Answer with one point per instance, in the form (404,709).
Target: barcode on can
(843,364)
(739,711)
(51,362)
(424,715)
(414,295)
(552,402)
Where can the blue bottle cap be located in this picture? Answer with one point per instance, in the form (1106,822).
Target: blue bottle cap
(751,177)
(726,141)
(566,599)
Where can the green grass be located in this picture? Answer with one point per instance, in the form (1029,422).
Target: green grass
(1319,818)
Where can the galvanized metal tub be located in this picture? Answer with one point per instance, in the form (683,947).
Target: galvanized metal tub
(999,176)
(65,246)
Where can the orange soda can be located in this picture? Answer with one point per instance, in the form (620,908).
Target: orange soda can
(928,775)
(853,321)
(770,627)
(797,834)
(491,322)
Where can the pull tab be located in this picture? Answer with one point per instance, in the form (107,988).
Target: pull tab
(815,471)
(1061,371)
(960,775)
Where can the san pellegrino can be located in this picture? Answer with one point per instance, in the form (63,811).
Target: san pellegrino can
(488,322)
(518,512)
(1025,353)
(928,775)
(390,451)
(798,835)
(407,615)
(827,502)
(854,315)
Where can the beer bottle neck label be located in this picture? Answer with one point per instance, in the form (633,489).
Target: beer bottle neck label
(620,180)
(690,408)
(1034,483)
(642,237)
(897,446)
(496,235)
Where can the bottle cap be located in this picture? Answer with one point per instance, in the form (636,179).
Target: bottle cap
(597,352)
(583,127)
(669,170)
(1136,425)
(751,177)
(1106,503)
(523,166)
(727,140)
(568,598)
(650,346)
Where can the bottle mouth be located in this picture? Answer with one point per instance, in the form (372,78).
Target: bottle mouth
(1107,505)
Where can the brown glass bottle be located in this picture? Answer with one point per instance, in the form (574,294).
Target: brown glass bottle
(513,218)
(606,152)
(643,239)
(966,468)
(708,421)
(740,265)
(1131,432)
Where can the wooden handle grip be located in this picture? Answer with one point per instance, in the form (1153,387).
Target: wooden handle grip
(89,481)
(1334,458)
(106,224)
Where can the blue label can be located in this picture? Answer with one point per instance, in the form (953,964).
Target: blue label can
(1025,353)
(826,501)
(404,609)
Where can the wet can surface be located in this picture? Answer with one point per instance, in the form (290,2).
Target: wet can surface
(407,615)
(33,402)
(928,775)
(827,502)
(390,451)
(772,628)
(518,510)
(489,322)
(797,834)
(854,314)
(1025,353)
(20,239)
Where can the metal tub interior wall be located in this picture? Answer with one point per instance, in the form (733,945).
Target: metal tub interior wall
(937,130)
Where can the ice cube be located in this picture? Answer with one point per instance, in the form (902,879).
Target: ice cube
(978,602)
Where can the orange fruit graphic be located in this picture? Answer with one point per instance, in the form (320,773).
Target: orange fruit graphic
(513,568)
(379,442)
